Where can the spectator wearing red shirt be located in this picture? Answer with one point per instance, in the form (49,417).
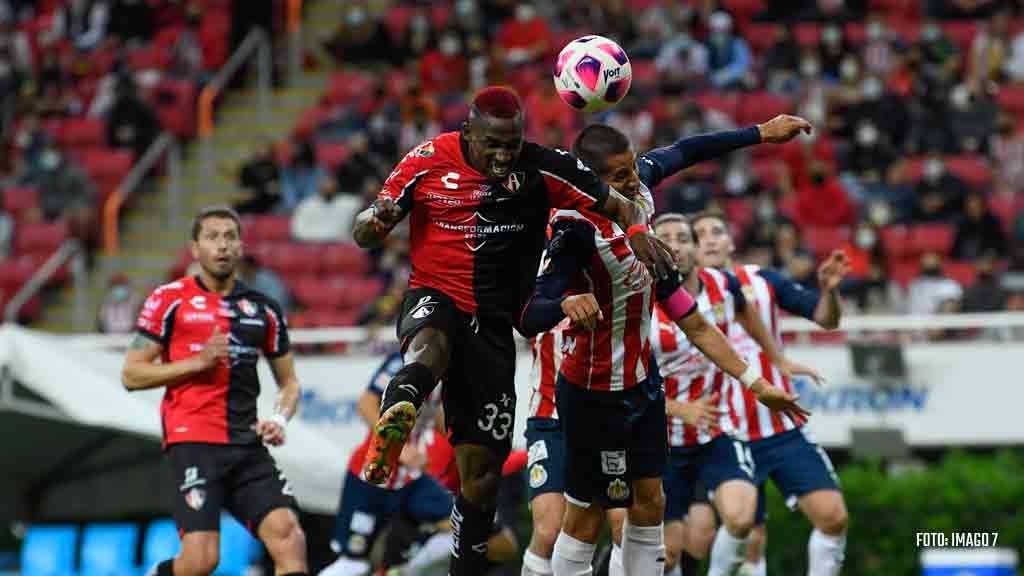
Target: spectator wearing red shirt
(526,39)
(443,70)
(822,199)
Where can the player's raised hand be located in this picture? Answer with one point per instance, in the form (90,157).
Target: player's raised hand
(385,214)
(833,270)
(783,128)
(703,413)
(779,400)
(270,432)
(790,368)
(583,310)
(654,253)
(215,349)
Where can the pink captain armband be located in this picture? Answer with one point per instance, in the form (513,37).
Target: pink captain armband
(678,304)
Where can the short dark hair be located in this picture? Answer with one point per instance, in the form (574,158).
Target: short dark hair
(595,143)
(219,211)
(709,214)
(672,217)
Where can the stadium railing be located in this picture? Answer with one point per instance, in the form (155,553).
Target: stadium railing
(70,253)
(294,27)
(255,46)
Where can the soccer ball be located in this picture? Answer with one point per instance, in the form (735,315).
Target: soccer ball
(592,73)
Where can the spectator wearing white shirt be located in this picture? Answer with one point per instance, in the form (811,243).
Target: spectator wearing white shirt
(326,216)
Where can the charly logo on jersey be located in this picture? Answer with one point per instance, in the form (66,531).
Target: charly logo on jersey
(198,302)
(618,490)
(478,230)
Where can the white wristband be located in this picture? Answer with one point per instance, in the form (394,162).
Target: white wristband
(279,419)
(750,376)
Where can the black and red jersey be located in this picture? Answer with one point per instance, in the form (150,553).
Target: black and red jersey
(217,406)
(479,240)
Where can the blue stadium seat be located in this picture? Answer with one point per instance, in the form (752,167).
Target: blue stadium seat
(160,543)
(109,549)
(49,551)
(238,548)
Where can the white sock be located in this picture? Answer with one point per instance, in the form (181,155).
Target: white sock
(534,565)
(343,566)
(615,565)
(726,553)
(675,571)
(643,548)
(434,550)
(825,554)
(572,557)
(759,568)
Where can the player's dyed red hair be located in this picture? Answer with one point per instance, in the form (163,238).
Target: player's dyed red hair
(497,101)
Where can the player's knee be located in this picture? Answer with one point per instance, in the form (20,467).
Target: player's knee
(545,533)
(738,520)
(200,559)
(652,502)
(834,519)
(482,488)
(429,347)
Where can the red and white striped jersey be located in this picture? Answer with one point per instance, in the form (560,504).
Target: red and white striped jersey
(615,355)
(756,420)
(689,374)
(547,359)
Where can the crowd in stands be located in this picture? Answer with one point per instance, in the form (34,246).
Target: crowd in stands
(914,167)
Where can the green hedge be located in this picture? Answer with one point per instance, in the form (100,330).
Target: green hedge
(964,492)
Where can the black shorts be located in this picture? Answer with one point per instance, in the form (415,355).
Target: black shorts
(611,439)
(209,477)
(479,391)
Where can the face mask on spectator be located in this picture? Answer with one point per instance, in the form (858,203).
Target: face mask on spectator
(875,31)
(872,89)
(867,135)
(50,159)
(735,182)
(765,210)
(464,8)
(879,213)
(848,69)
(449,46)
(830,36)
(930,33)
(419,23)
(119,293)
(810,68)
(933,169)
(356,17)
(866,239)
(960,97)
(525,12)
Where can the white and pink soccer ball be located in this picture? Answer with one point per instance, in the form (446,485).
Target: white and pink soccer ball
(592,73)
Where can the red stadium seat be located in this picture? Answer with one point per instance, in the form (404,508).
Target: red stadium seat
(758,107)
(759,35)
(767,170)
(722,101)
(808,34)
(1011,98)
(181,263)
(14,273)
(644,73)
(1005,208)
(291,259)
(740,213)
(743,9)
(314,292)
(903,271)
(972,168)
(42,237)
(333,318)
(439,14)
(909,30)
(965,273)
(175,107)
(397,20)
(82,132)
(961,32)
(358,291)
(895,241)
(331,155)
(822,241)
(344,259)
(931,238)
(20,199)
(269,228)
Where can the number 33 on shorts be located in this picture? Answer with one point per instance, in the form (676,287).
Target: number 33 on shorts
(496,420)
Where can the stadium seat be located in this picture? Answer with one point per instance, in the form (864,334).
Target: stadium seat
(49,550)
(358,291)
(331,155)
(759,35)
(822,241)
(725,103)
(315,292)
(903,271)
(40,237)
(743,9)
(740,213)
(333,317)
(961,33)
(14,273)
(931,238)
(238,549)
(807,34)
(965,273)
(767,170)
(109,549)
(175,107)
(397,20)
(270,228)
(293,258)
(757,107)
(1011,98)
(344,258)
(895,241)
(82,133)
(20,199)
(972,168)
(160,542)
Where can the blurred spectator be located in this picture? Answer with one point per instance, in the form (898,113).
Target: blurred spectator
(1014,66)
(84,22)
(767,220)
(419,36)
(526,38)
(729,61)
(940,194)
(867,283)
(1012,284)
(682,63)
(781,61)
(987,293)
(962,9)
(264,280)
(385,308)
(870,154)
(832,49)
(990,51)
(360,164)
(382,135)
(689,194)
(131,20)
(972,119)
(932,291)
(787,244)
(634,120)
(800,269)
(301,177)
(327,216)
(131,122)
(886,110)
(936,51)
(879,53)
(1006,152)
(420,126)
(259,177)
(360,38)
(66,192)
(822,200)
(120,307)
(444,70)
(54,97)
(978,233)
(187,51)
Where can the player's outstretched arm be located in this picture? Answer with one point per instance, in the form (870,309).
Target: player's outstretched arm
(142,372)
(750,320)
(829,309)
(272,430)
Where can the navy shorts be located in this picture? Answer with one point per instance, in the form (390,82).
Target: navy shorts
(545,462)
(711,464)
(611,439)
(366,508)
(796,465)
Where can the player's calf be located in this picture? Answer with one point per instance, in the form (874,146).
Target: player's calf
(285,541)
(473,513)
(199,556)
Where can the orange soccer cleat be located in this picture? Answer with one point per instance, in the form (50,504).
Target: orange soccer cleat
(389,436)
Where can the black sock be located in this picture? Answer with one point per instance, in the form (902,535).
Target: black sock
(688,564)
(413,383)
(165,568)
(471,526)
